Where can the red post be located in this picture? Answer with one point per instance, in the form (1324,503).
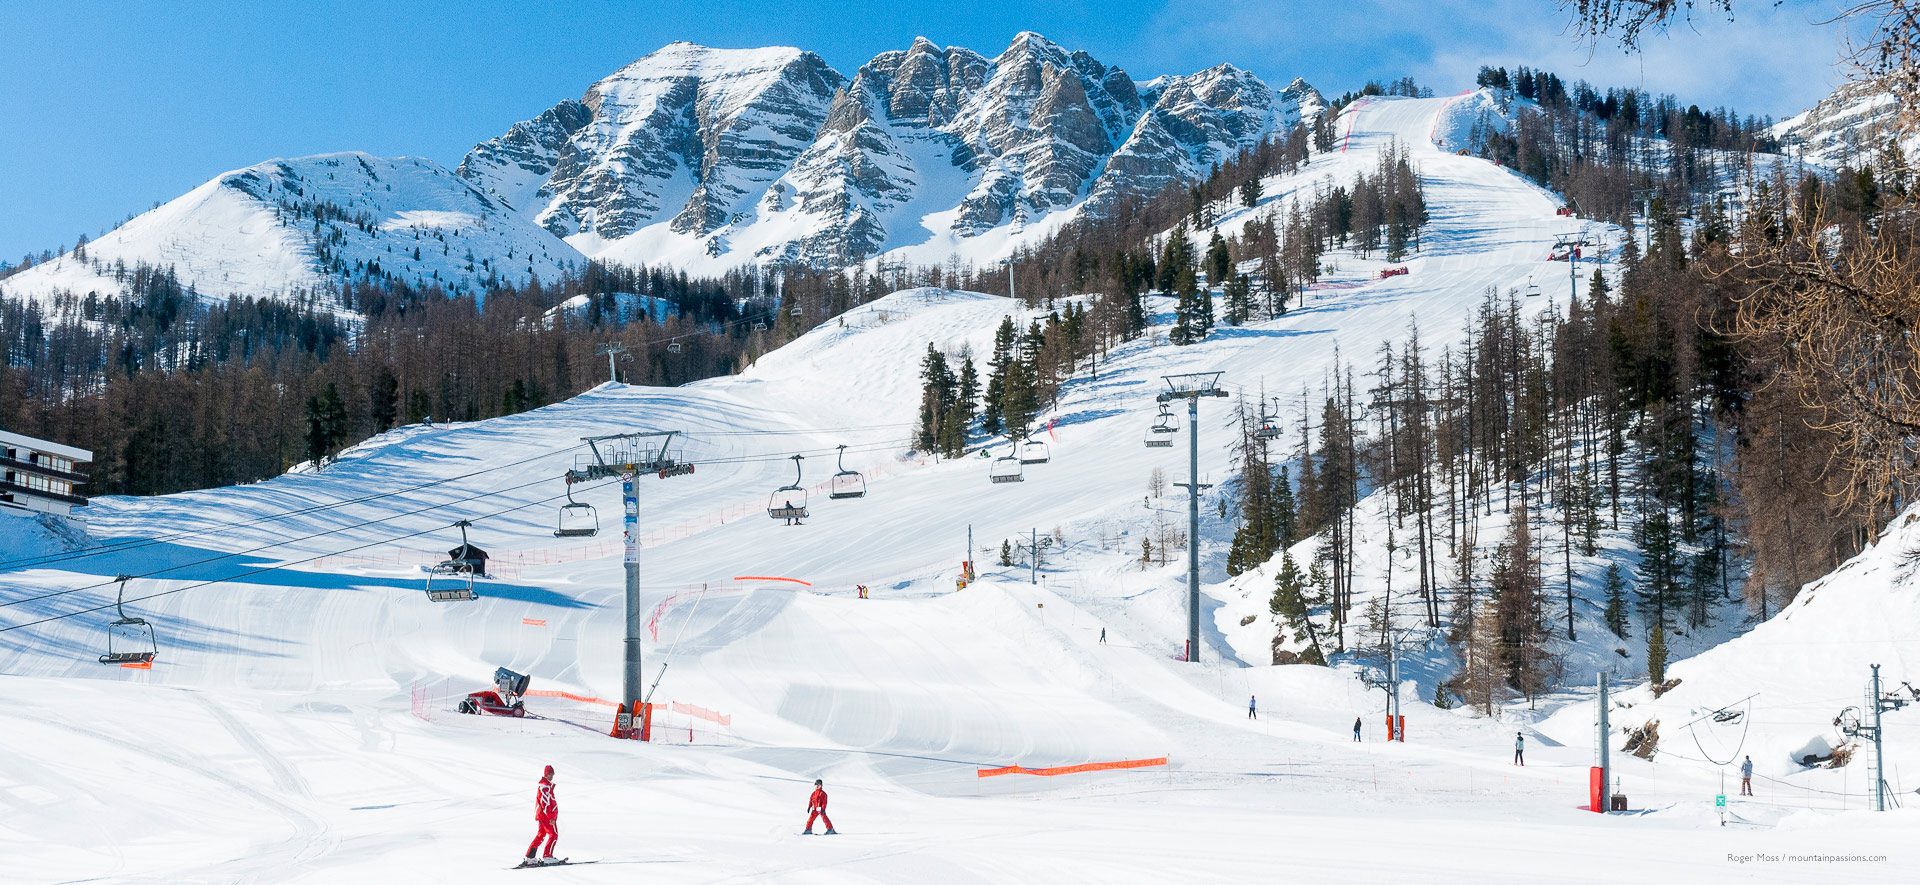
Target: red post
(646,722)
(622,723)
(1400,729)
(1597,789)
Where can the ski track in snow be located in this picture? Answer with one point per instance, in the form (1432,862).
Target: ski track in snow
(274,739)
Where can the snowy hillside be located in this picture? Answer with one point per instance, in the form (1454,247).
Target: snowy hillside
(710,158)
(298,724)
(288,228)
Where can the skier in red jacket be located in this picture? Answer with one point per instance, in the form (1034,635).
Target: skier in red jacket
(817,807)
(546,812)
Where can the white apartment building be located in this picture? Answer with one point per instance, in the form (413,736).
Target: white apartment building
(41,476)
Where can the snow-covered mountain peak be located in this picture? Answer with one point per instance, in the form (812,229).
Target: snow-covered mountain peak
(305,226)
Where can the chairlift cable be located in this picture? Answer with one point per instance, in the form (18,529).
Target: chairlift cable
(277,566)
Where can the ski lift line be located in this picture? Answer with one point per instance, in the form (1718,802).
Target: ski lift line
(229,555)
(278,566)
(19,565)
(1746,722)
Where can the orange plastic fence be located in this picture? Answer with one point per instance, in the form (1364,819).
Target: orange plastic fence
(702,713)
(534,622)
(1072,769)
(542,693)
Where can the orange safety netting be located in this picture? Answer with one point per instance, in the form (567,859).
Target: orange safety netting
(1072,769)
(702,713)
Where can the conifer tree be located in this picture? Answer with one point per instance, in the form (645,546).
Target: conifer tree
(1616,593)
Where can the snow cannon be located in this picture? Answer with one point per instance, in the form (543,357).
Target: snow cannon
(503,700)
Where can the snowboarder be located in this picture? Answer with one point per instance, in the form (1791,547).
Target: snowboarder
(1251,713)
(1356,729)
(817,807)
(1519,749)
(1103,636)
(1746,777)
(546,812)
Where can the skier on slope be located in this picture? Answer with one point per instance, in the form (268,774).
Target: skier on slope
(1103,636)
(1746,777)
(546,812)
(817,807)
(1251,713)
(1356,729)
(1519,749)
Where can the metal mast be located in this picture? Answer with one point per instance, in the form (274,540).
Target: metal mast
(1191,387)
(610,350)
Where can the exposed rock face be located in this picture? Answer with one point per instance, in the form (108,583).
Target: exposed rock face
(688,135)
(769,155)
(1850,127)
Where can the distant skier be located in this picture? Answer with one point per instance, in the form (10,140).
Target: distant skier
(1356,729)
(817,807)
(1746,777)
(1103,636)
(1251,712)
(863,590)
(1519,749)
(546,812)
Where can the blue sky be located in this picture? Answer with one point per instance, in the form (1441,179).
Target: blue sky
(109,107)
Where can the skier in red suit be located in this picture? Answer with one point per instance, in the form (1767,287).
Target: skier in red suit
(546,812)
(817,807)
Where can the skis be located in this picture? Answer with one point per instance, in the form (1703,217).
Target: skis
(812,833)
(555,862)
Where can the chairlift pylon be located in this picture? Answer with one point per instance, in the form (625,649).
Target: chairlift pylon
(457,571)
(574,519)
(129,640)
(780,504)
(847,483)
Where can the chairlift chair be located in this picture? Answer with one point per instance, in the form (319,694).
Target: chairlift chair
(1165,421)
(847,483)
(457,571)
(759,327)
(1533,288)
(780,504)
(673,347)
(1006,468)
(794,311)
(1268,429)
(1156,441)
(129,640)
(1034,452)
(574,519)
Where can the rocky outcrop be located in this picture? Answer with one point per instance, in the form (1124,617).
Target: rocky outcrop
(772,153)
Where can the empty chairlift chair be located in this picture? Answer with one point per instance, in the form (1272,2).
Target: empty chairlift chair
(129,640)
(789,502)
(1034,452)
(1006,468)
(576,520)
(452,579)
(847,483)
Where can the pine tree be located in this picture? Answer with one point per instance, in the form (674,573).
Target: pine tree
(1616,591)
(1006,554)
(1657,654)
(1219,261)
(1250,192)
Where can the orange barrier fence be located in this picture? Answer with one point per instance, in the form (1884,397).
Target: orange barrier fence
(702,713)
(1072,769)
(571,697)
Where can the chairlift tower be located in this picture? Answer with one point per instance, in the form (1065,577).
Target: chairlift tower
(1878,702)
(610,350)
(627,455)
(1191,387)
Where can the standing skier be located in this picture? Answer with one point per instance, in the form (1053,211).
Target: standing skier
(1519,749)
(817,807)
(1103,636)
(546,812)
(1251,714)
(1356,729)
(1746,777)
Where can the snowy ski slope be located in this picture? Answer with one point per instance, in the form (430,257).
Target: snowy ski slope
(297,725)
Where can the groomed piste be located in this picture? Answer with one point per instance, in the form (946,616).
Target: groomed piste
(298,724)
